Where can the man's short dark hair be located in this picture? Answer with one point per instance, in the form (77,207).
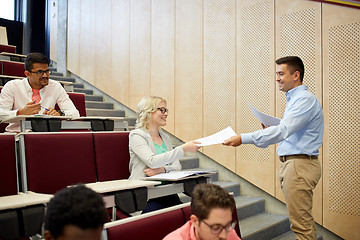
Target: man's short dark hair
(208,196)
(294,63)
(35,58)
(78,206)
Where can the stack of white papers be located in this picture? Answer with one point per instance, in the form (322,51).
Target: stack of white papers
(179,175)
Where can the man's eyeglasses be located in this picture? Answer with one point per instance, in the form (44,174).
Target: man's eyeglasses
(163,110)
(217,228)
(41,73)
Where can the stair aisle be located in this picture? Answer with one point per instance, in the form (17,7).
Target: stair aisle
(95,106)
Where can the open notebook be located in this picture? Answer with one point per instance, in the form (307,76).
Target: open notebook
(180,175)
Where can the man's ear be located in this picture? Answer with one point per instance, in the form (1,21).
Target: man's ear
(297,76)
(194,219)
(48,236)
(27,73)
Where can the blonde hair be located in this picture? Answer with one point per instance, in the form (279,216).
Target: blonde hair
(145,108)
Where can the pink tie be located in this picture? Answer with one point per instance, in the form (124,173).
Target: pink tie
(36,96)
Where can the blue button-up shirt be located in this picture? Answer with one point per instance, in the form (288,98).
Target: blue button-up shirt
(301,129)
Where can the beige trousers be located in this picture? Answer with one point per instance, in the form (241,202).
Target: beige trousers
(298,178)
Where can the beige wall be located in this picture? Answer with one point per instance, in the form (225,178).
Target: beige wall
(210,58)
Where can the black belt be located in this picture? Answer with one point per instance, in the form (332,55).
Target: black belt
(304,156)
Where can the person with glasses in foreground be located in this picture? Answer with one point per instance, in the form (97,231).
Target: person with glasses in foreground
(211,216)
(151,151)
(35,94)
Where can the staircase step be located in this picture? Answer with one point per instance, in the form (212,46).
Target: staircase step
(101,105)
(78,85)
(189,162)
(231,187)
(65,79)
(290,235)
(131,121)
(104,112)
(82,90)
(56,74)
(93,98)
(249,206)
(264,226)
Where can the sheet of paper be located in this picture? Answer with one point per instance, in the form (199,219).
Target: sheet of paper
(217,138)
(265,119)
(177,175)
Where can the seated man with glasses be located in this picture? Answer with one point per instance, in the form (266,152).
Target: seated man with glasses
(211,216)
(35,94)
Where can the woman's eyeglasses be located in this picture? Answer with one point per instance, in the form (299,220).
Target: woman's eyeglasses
(163,110)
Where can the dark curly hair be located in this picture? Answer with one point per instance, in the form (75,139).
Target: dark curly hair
(78,206)
(207,196)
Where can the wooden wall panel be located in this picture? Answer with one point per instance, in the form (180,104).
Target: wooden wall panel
(53,13)
(341,44)
(162,54)
(298,32)
(219,75)
(120,51)
(255,85)
(86,45)
(73,37)
(188,69)
(140,19)
(102,44)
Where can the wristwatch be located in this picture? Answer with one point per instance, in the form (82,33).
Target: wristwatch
(61,113)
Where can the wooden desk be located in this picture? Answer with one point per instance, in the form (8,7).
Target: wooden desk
(23,200)
(22,214)
(113,187)
(71,123)
(119,122)
(25,120)
(118,185)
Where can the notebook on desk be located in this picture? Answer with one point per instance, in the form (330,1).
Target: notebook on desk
(180,175)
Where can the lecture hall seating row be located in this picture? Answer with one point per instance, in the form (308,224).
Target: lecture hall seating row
(154,225)
(7,48)
(52,161)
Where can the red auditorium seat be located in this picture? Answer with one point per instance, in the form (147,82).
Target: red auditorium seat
(7,48)
(57,160)
(12,68)
(79,101)
(111,155)
(8,174)
(151,228)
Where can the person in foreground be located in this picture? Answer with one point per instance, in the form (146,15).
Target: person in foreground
(151,151)
(35,94)
(211,216)
(75,213)
(300,135)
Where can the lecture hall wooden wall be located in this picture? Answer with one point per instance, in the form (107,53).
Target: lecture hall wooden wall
(210,58)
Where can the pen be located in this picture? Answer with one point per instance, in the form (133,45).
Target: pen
(45,108)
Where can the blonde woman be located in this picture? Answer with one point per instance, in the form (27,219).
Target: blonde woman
(151,150)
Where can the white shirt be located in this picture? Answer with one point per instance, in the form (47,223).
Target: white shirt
(17,93)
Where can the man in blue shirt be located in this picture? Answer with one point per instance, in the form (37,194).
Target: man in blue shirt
(300,135)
